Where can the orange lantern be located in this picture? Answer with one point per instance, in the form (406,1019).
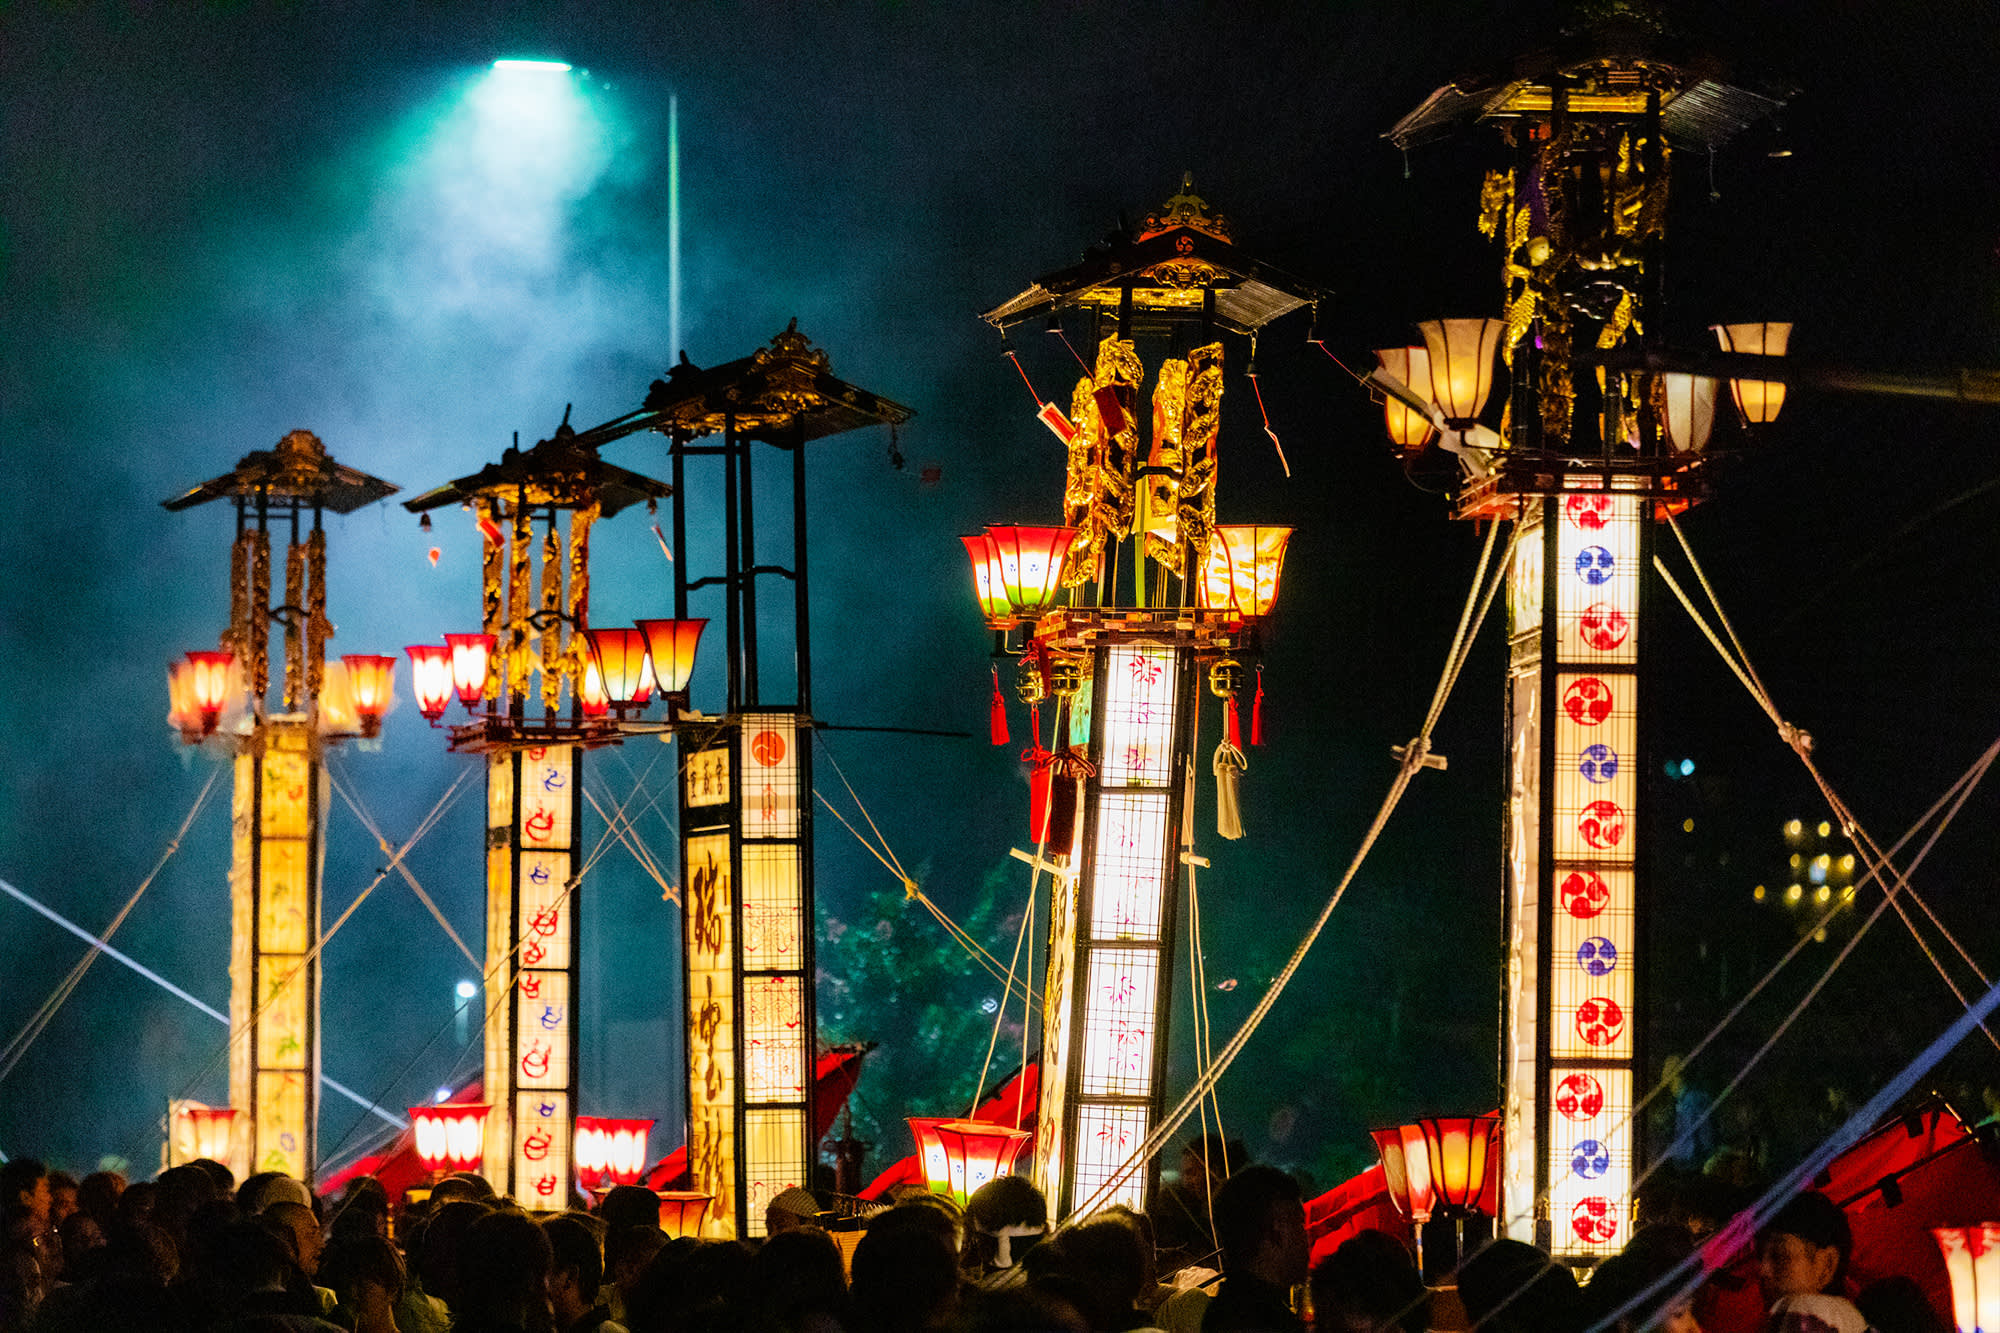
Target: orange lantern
(371,680)
(620,658)
(671,644)
(1030,562)
(450,1137)
(182,713)
(199,1131)
(208,686)
(430,678)
(1461,363)
(1690,411)
(1458,1149)
(682,1211)
(1409,429)
(1757,400)
(470,655)
(610,1151)
(1389,1147)
(590,696)
(986,581)
(976,1152)
(1243,567)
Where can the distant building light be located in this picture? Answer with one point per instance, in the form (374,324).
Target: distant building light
(1847,864)
(1825,894)
(467,989)
(1794,892)
(1825,829)
(1797,860)
(1757,894)
(1687,826)
(1794,828)
(441,1096)
(1687,768)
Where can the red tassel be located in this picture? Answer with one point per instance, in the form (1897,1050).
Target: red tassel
(1235,728)
(997,714)
(1257,711)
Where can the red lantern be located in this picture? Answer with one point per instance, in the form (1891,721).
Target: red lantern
(1244,564)
(610,1151)
(470,657)
(1031,565)
(1406,1168)
(430,678)
(976,1152)
(1458,1149)
(182,714)
(371,679)
(986,581)
(620,658)
(450,1137)
(590,695)
(930,1151)
(682,1211)
(201,1131)
(208,686)
(671,644)
(1972,1262)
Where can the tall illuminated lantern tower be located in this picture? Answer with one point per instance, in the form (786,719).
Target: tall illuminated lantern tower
(540,687)
(278,741)
(1591,448)
(1116,613)
(746,775)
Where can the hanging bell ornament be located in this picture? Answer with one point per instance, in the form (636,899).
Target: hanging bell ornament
(1028,684)
(1227,678)
(1065,677)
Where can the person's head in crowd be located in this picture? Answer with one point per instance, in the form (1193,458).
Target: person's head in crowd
(298,1219)
(789,1209)
(1099,1267)
(244,1267)
(142,1254)
(224,1178)
(62,1197)
(24,1195)
(1004,1219)
(1512,1287)
(363,1210)
(1260,1223)
(444,1237)
(177,1193)
(503,1272)
(629,1206)
(905,1272)
(658,1297)
(98,1195)
(1210,1161)
(137,1201)
(1803,1249)
(626,1254)
(796,1275)
(461,1185)
(1613,1297)
(1898,1305)
(1369,1285)
(576,1268)
(250,1196)
(367,1274)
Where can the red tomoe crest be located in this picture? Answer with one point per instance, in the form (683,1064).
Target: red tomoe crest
(536,1145)
(767,748)
(1599,1021)
(1603,626)
(1601,824)
(1595,1219)
(1579,1097)
(1587,701)
(1584,894)
(1587,511)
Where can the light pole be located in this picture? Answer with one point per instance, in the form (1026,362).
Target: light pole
(1113,781)
(278,839)
(1593,446)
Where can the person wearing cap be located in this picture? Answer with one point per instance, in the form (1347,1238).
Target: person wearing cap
(790,1209)
(1802,1255)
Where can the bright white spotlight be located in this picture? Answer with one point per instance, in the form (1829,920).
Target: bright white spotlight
(534,66)
(467,989)
(442,1095)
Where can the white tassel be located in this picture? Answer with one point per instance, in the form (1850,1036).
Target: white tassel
(1229,765)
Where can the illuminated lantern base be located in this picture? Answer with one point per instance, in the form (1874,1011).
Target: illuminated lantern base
(610,1152)
(450,1136)
(682,1211)
(975,1153)
(198,1131)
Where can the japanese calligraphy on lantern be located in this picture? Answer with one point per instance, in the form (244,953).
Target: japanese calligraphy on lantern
(1590,1159)
(546,906)
(546,798)
(774,1067)
(769,763)
(1058,1001)
(772,919)
(771,1160)
(542,1029)
(1126,900)
(706,776)
(709,930)
(1121,991)
(1138,707)
(1105,1137)
(542,1150)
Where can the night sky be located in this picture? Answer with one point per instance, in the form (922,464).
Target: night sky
(224,222)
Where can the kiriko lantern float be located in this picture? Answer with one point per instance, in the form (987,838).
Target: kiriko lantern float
(1115,614)
(1587,446)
